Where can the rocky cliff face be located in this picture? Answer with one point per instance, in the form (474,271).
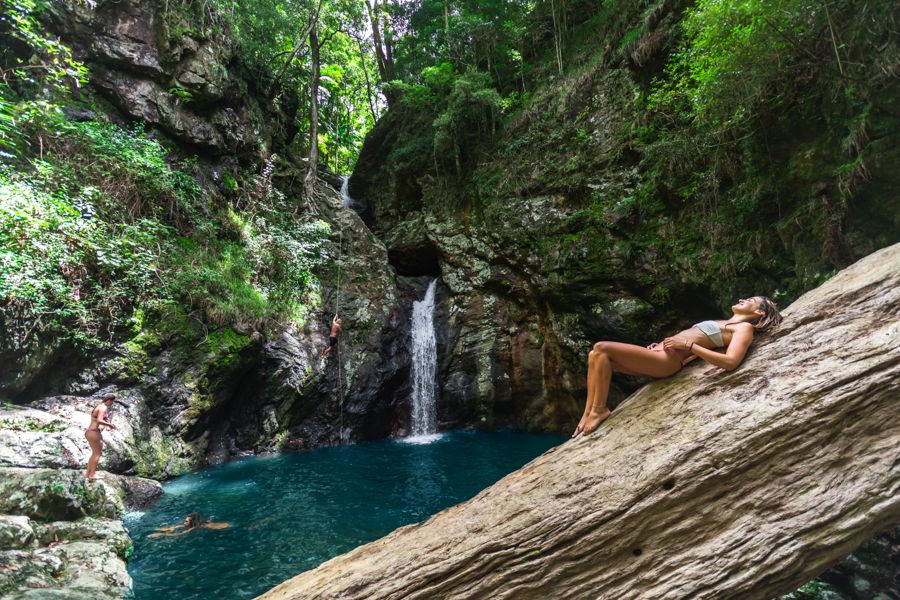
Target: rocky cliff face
(188,394)
(559,231)
(161,67)
(184,403)
(527,293)
(191,395)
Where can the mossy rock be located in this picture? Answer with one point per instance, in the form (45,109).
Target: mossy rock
(56,495)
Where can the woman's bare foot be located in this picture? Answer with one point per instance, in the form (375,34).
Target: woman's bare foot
(95,478)
(580,429)
(594,419)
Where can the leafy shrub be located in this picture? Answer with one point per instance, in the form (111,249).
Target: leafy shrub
(130,171)
(106,224)
(470,114)
(61,265)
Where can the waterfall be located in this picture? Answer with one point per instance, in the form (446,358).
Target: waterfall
(424,365)
(345,191)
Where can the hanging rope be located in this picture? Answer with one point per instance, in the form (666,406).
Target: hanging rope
(337,308)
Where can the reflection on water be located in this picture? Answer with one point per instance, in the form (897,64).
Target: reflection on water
(290,513)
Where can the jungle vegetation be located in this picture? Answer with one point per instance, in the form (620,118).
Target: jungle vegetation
(501,97)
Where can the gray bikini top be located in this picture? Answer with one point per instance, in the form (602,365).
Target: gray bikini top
(712,331)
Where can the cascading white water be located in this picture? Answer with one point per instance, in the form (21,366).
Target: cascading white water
(424,365)
(345,191)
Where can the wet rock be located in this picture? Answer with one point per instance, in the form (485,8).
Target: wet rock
(110,532)
(27,351)
(294,398)
(30,573)
(624,317)
(123,34)
(51,434)
(70,571)
(872,572)
(15,532)
(179,82)
(139,493)
(65,538)
(56,494)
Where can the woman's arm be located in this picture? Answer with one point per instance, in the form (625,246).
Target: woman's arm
(103,418)
(162,535)
(734,355)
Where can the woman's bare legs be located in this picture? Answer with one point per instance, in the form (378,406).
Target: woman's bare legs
(606,357)
(594,371)
(591,375)
(95,439)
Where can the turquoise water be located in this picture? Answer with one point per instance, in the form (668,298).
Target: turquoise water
(292,512)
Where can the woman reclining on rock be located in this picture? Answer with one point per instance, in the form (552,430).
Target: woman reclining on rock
(666,358)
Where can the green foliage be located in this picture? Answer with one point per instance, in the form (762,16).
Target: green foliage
(470,114)
(100,227)
(487,36)
(61,265)
(130,171)
(271,43)
(49,68)
(725,66)
(105,230)
(181,94)
(728,140)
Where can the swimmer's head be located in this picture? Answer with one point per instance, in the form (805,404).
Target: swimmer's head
(193,520)
(109,398)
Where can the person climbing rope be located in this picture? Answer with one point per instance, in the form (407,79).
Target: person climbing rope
(749,316)
(99,419)
(333,336)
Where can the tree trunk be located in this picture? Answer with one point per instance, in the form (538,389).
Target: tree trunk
(276,83)
(309,181)
(557,35)
(383,52)
(708,484)
(369,93)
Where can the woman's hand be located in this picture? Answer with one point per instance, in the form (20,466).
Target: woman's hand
(677,343)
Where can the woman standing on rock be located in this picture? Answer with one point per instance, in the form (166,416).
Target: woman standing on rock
(99,417)
(663,359)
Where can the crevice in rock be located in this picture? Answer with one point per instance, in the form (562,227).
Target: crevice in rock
(420,260)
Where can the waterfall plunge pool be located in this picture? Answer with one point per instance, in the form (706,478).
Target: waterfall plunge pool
(289,513)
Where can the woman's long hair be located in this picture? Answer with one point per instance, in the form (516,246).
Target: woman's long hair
(771,319)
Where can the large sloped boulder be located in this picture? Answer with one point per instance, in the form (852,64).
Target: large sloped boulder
(710,484)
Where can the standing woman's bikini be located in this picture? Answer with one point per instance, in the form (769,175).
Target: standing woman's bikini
(94,435)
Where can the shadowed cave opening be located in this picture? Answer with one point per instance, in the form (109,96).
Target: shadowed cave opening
(415,260)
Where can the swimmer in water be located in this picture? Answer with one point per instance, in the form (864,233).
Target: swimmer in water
(191,522)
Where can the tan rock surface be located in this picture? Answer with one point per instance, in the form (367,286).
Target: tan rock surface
(710,484)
